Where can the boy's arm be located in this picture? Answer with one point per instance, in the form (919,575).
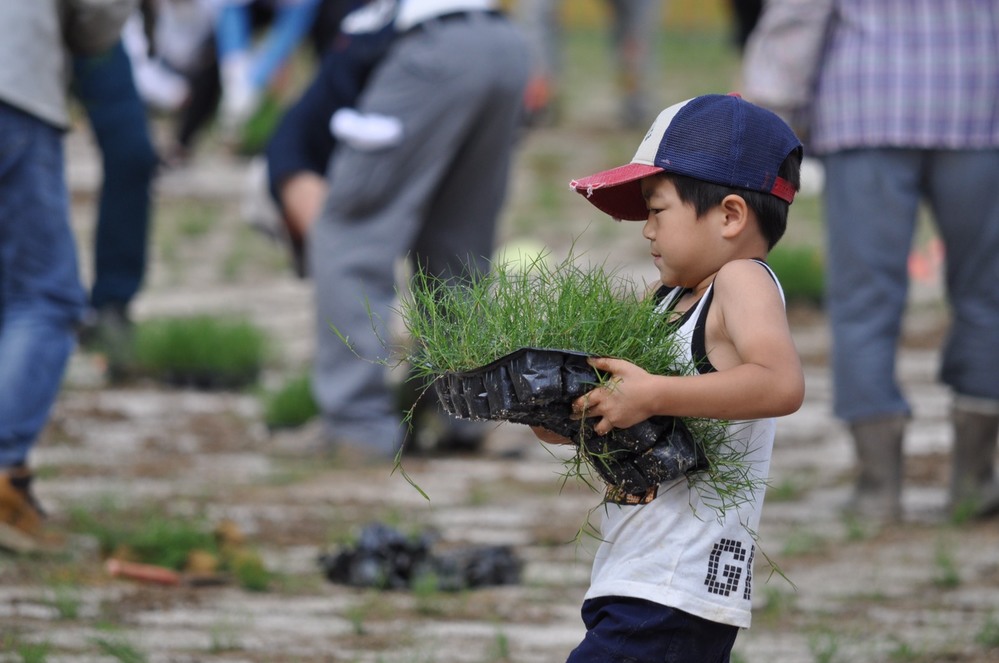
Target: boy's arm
(758,369)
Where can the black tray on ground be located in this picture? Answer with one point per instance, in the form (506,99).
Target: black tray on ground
(536,387)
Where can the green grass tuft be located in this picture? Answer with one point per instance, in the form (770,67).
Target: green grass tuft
(200,351)
(151,539)
(291,405)
(565,305)
(801,273)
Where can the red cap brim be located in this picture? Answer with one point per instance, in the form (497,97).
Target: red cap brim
(618,191)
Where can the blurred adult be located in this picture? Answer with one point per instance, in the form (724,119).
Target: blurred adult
(745,14)
(208,59)
(41,298)
(247,66)
(634,29)
(906,113)
(419,171)
(104,85)
(299,149)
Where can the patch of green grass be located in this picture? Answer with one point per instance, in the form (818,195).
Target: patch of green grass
(291,405)
(802,541)
(903,651)
(777,604)
(215,352)
(787,490)
(947,576)
(150,537)
(250,572)
(426,589)
(499,649)
(824,646)
(26,652)
(258,129)
(225,635)
(196,221)
(988,635)
(801,273)
(66,600)
(120,650)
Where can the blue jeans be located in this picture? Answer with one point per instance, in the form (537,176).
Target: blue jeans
(872,198)
(104,86)
(41,299)
(627,630)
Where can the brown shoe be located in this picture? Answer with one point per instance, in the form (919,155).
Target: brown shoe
(20,514)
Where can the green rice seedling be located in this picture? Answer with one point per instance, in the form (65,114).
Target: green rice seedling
(788,490)
(500,648)
(150,538)
(948,576)
(66,601)
(31,652)
(988,635)
(196,221)
(824,646)
(120,650)
(260,125)
(200,351)
(356,615)
(903,651)
(250,572)
(225,636)
(565,305)
(291,405)
(803,541)
(778,604)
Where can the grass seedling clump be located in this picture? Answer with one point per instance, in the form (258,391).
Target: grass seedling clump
(565,305)
(291,405)
(201,351)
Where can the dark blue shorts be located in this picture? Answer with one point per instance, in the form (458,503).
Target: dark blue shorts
(627,630)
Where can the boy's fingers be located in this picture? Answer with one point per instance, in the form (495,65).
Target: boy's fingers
(606,364)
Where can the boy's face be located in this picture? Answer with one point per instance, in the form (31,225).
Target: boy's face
(680,241)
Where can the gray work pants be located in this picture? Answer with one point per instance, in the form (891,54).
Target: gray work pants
(435,198)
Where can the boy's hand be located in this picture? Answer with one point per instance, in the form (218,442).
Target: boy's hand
(549,437)
(620,402)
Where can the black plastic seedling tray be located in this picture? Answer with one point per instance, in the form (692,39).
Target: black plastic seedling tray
(537,386)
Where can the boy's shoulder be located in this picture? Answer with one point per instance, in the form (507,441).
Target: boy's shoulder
(746,267)
(745,277)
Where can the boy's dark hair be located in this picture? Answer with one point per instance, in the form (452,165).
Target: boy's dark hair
(771,211)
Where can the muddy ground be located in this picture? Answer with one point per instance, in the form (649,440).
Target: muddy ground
(925,590)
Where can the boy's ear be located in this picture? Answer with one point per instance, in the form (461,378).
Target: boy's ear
(735,215)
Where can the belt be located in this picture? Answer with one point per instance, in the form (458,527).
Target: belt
(454,16)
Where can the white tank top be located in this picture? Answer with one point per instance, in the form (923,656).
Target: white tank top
(677,550)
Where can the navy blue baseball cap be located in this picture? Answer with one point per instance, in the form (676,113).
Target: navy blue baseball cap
(719,138)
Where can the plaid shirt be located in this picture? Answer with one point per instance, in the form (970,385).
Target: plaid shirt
(909,73)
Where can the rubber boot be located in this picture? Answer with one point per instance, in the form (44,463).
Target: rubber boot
(877,495)
(973,488)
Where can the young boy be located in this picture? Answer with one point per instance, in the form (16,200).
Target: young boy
(712,180)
